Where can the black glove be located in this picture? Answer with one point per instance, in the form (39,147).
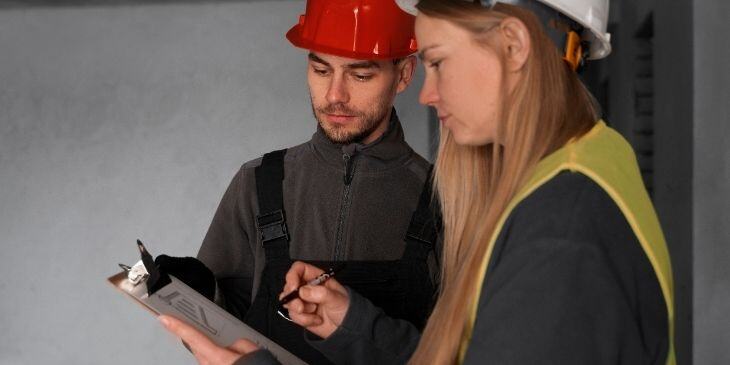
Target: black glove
(190,271)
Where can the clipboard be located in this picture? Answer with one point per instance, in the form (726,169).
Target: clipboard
(162,293)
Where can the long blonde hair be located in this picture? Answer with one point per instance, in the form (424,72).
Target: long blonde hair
(547,108)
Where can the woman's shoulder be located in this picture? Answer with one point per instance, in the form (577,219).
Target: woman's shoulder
(569,206)
(572,220)
(574,211)
(564,249)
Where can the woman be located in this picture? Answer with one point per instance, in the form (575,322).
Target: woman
(552,250)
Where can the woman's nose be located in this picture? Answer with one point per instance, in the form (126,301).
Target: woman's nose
(428,95)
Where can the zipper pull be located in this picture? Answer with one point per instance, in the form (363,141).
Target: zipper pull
(348,168)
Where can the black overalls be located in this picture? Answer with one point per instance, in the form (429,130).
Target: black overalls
(402,288)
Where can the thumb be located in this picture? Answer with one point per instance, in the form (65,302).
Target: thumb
(243,346)
(321,295)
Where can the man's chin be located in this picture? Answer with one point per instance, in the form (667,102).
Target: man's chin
(340,135)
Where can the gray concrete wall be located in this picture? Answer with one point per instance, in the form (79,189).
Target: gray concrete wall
(124,122)
(673,153)
(711,176)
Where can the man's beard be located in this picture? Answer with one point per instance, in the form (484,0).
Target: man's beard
(368,121)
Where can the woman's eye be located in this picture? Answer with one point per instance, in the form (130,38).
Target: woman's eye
(435,64)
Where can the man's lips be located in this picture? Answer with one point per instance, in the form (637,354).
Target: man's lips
(339,118)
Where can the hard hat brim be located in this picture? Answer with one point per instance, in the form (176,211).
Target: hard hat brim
(294,35)
(600,42)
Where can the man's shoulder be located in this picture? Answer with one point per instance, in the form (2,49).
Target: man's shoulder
(419,166)
(292,153)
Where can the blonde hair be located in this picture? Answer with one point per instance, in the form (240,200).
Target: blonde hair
(547,108)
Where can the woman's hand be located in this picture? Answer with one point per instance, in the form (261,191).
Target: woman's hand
(204,350)
(321,308)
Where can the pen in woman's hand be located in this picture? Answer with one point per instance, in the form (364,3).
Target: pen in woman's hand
(316,281)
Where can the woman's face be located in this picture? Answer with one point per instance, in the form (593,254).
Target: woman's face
(464,81)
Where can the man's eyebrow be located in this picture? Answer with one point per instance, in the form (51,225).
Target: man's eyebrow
(363,64)
(313,57)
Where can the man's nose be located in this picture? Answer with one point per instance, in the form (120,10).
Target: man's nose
(337,92)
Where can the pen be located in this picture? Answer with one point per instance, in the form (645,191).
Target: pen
(316,281)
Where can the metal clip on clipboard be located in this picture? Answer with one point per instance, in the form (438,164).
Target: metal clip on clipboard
(145,271)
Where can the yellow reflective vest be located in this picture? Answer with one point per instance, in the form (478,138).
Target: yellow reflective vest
(605,157)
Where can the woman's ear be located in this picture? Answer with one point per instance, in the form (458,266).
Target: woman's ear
(516,42)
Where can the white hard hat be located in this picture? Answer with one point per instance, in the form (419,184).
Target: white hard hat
(590,14)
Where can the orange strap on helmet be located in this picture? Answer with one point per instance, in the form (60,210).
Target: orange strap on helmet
(360,29)
(575,53)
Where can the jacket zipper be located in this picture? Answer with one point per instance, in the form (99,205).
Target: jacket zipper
(345,205)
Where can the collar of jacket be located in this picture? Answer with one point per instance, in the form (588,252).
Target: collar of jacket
(390,150)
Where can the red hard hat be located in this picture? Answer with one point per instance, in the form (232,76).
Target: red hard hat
(360,29)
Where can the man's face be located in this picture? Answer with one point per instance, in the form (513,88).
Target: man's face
(352,99)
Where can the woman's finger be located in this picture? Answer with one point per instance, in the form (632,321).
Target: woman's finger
(296,305)
(305,319)
(309,308)
(293,278)
(195,340)
(299,273)
(204,350)
(243,346)
(321,295)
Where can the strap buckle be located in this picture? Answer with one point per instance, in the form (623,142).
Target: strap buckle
(272,226)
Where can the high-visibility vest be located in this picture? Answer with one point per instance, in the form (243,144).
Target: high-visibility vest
(605,157)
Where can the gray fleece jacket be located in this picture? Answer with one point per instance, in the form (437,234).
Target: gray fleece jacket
(327,219)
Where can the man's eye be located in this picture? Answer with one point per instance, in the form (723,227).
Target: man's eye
(321,72)
(360,77)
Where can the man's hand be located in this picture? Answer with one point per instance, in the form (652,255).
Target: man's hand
(190,271)
(320,309)
(204,350)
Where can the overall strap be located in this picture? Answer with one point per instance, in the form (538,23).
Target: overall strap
(425,224)
(271,221)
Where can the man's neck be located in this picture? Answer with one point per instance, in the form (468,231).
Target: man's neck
(378,132)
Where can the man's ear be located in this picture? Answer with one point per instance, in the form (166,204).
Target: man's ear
(516,43)
(406,69)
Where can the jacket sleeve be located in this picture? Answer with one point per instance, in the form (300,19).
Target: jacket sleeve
(258,357)
(368,336)
(228,246)
(554,301)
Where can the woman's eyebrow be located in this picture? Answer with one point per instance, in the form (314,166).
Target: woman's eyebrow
(422,52)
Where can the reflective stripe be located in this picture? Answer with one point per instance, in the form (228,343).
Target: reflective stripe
(606,158)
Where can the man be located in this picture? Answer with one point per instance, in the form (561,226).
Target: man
(346,196)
